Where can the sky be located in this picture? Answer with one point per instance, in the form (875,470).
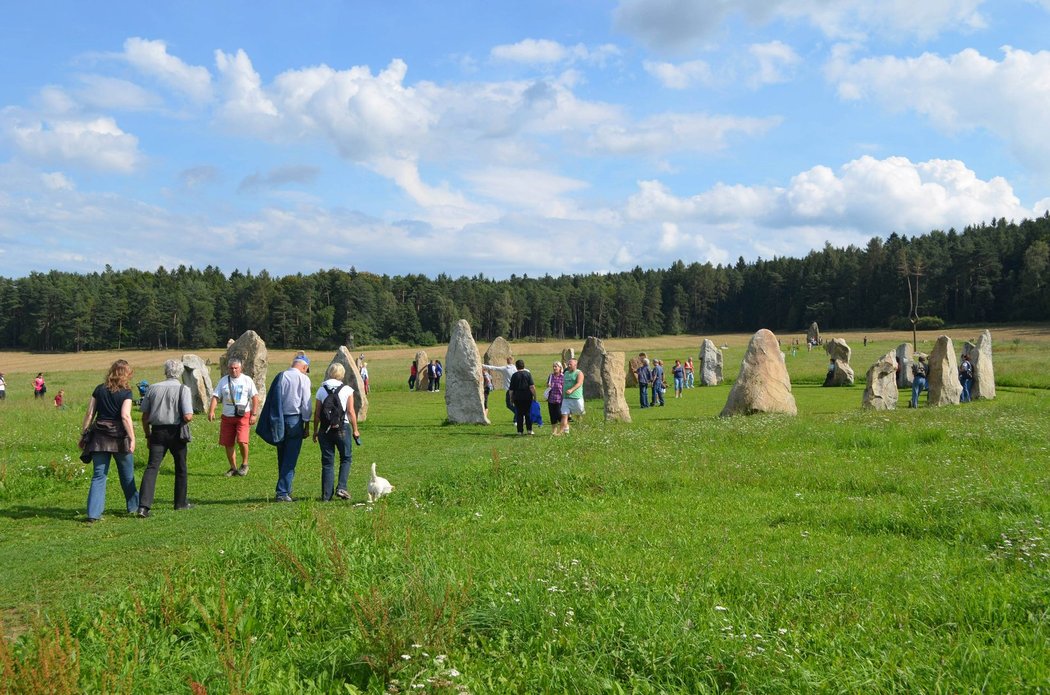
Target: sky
(496,137)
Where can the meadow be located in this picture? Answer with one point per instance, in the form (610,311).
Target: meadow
(842,550)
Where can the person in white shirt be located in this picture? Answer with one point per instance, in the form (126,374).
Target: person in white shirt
(330,437)
(240,410)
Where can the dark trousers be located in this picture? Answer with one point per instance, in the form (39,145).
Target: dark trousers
(162,439)
(554,412)
(330,442)
(523,414)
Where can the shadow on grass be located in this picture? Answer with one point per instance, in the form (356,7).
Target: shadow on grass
(28,512)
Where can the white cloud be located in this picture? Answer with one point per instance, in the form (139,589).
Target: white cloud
(776,62)
(94,143)
(680,75)
(681,25)
(668,133)
(152,58)
(962,92)
(104,93)
(57,181)
(532,51)
(244,101)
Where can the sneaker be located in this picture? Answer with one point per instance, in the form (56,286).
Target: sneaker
(185,506)
(283,498)
(342,494)
(531,432)
(230,472)
(243,470)
(142,513)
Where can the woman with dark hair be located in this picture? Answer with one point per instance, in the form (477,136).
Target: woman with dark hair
(109,433)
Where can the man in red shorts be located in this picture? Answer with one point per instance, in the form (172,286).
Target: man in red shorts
(240,410)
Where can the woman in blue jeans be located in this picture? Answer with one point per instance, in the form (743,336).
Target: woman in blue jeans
(331,438)
(110,434)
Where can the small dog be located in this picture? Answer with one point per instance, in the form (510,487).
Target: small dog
(377,486)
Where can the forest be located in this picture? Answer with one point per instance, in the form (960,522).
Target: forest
(989,273)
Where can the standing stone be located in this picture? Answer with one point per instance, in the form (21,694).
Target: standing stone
(839,351)
(710,364)
(566,355)
(881,390)
(613,378)
(354,380)
(197,376)
(813,334)
(763,384)
(496,356)
(905,357)
(983,371)
(464,385)
(422,380)
(590,363)
(251,351)
(945,388)
(631,377)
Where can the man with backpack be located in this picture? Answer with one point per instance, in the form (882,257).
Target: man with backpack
(334,421)
(966,378)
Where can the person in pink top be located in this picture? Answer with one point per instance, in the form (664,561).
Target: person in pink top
(39,387)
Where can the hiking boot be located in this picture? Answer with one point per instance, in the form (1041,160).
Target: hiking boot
(230,472)
(342,494)
(243,470)
(142,513)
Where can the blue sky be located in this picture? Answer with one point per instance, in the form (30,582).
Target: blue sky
(472,137)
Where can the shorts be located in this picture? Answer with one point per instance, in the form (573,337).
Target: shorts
(572,406)
(234,429)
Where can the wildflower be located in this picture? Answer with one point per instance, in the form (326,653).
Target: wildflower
(721,608)
(452,673)
(406,657)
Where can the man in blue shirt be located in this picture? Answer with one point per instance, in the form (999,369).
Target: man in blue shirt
(294,390)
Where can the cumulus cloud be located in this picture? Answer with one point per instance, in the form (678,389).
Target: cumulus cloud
(681,25)
(961,92)
(776,62)
(98,92)
(92,143)
(151,58)
(680,75)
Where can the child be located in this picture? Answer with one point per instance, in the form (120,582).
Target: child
(60,400)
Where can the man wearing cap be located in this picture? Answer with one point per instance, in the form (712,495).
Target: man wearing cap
(295,393)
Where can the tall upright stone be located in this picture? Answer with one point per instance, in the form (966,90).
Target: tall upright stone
(839,352)
(905,357)
(590,363)
(250,349)
(633,365)
(197,376)
(813,333)
(464,385)
(568,354)
(945,388)
(710,364)
(613,392)
(763,384)
(352,378)
(496,356)
(422,380)
(881,392)
(983,371)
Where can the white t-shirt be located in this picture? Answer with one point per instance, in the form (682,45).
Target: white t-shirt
(3,385)
(242,392)
(344,395)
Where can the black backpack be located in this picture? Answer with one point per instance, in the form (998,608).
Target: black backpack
(333,415)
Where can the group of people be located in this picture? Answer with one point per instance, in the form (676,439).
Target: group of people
(433,370)
(108,433)
(920,375)
(564,394)
(652,381)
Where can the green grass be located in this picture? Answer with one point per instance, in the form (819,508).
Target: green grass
(841,550)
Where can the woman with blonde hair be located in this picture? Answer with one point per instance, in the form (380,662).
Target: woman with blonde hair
(108,433)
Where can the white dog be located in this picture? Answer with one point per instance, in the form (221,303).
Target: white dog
(377,487)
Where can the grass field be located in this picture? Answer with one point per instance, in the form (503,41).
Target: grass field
(840,550)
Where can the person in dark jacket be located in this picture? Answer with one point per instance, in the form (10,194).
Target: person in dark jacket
(523,393)
(108,434)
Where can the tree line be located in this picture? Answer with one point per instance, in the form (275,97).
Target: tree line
(989,273)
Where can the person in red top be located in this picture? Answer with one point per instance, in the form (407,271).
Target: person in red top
(413,373)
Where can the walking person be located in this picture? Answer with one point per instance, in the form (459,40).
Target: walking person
(523,393)
(431,374)
(645,377)
(659,384)
(39,387)
(295,396)
(919,371)
(555,396)
(108,434)
(332,436)
(506,371)
(966,378)
(167,409)
(689,372)
(572,396)
(678,372)
(240,410)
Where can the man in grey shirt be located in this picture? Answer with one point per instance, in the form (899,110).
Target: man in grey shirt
(166,406)
(296,405)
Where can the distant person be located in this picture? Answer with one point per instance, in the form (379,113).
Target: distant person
(689,372)
(865,341)
(438,371)
(645,378)
(555,396)
(523,393)
(678,372)
(487,388)
(659,384)
(3,387)
(364,377)
(829,378)
(60,400)
(919,375)
(413,374)
(39,387)
(331,436)
(240,410)
(295,401)
(167,409)
(966,378)
(108,433)
(572,398)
